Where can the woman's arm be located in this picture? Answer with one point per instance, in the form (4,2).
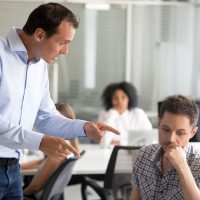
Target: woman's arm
(75,143)
(32,164)
(39,181)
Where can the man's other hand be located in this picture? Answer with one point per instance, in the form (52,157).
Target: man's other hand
(57,147)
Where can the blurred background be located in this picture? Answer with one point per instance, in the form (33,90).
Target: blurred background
(153,44)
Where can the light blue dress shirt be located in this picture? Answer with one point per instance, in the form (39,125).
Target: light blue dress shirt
(25,101)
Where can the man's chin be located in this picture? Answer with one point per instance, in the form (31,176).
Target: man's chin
(49,61)
(164,147)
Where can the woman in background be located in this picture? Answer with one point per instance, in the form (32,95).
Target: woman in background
(47,166)
(67,111)
(121,111)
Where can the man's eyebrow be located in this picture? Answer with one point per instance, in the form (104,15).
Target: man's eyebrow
(68,40)
(163,125)
(181,129)
(65,41)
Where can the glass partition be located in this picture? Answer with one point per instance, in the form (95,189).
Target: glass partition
(96,57)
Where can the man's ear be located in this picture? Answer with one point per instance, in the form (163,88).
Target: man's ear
(194,131)
(39,34)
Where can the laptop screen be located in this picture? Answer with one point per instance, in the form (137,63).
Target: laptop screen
(143,137)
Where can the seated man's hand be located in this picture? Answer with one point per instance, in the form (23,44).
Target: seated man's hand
(57,147)
(175,155)
(96,131)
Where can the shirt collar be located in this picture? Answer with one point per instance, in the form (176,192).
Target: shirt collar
(17,46)
(187,149)
(124,113)
(155,158)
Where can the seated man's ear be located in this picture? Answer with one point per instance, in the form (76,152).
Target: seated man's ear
(194,131)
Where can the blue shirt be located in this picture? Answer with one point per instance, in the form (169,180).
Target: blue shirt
(152,183)
(25,101)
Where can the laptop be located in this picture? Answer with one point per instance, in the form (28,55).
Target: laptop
(143,137)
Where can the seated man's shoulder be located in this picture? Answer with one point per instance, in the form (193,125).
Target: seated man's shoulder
(151,148)
(194,153)
(149,151)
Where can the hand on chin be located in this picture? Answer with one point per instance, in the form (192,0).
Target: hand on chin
(165,163)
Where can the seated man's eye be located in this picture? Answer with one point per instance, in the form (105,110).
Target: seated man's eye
(165,129)
(180,133)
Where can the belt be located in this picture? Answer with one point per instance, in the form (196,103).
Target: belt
(8,161)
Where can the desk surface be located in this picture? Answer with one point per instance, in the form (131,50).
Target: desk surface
(94,161)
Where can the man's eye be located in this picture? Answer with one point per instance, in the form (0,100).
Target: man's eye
(180,133)
(165,129)
(63,43)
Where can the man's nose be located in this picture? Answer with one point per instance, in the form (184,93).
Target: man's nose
(64,50)
(172,137)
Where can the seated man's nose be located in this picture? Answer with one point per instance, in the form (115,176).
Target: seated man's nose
(172,138)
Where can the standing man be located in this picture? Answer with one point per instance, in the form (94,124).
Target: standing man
(171,170)
(24,94)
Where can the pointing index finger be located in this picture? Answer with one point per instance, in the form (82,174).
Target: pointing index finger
(73,150)
(111,129)
(105,127)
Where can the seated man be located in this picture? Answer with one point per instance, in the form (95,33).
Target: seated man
(171,170)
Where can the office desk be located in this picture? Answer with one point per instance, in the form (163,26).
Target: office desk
(93,162)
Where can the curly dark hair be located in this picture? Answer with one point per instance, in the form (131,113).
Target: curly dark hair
(126,87)
(48,17)
(181,105)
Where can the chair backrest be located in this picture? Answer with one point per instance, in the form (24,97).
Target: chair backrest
(55,187)
(117,179)
(121,162)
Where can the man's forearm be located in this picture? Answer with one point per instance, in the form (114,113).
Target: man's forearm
(189,186)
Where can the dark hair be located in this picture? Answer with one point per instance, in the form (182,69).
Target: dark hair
(48,17)
(126,87)
(181,105)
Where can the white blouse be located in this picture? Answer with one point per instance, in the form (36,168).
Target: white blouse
(128,120)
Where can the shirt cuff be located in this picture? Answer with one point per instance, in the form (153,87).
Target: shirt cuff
(79,128)
(32,140)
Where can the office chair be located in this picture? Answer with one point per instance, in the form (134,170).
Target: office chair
(54,189)
(117,178)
